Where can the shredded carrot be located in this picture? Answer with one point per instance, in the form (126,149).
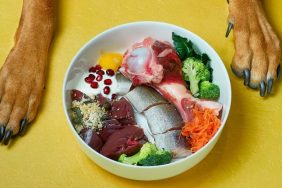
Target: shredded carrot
(201,129)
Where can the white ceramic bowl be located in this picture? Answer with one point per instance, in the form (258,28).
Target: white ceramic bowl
(118,39)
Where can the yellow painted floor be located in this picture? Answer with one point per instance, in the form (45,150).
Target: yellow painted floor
(249,153)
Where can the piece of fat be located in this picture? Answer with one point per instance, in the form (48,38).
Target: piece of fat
(144,97)
(123,84)
(174,142)
(162,118)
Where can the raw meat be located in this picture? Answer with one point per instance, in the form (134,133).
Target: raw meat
(163,118)
(123,112)
(128,140)
(173,141)
(144,97)
(109,127)
(157,64)
(91,138)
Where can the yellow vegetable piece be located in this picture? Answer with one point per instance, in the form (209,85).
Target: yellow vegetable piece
(110,61)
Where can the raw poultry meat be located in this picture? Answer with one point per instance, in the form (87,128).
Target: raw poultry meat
(157,64)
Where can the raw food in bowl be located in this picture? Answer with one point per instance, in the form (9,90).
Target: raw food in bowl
(147,100)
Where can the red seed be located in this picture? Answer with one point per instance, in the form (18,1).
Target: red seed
(88,80)
(114,96)
(108,82)
(98,67)
(100,72)
(92,69)
(99,78)
(94,85)
(91,76)
(107,90)
(110,72)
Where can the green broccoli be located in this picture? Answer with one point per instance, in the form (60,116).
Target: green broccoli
(161,157)
(149,155)
(209,90)
(195,72)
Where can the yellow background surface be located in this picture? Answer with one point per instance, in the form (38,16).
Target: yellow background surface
(249,153)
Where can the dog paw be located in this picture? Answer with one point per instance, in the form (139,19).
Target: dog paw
(257,55)
(21,86)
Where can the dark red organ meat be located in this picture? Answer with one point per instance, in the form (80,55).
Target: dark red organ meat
(127,141)
(109,127)
(77,95)
(91,138)
(123,112)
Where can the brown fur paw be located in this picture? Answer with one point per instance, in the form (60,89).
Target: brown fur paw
(22,82)
(257,47)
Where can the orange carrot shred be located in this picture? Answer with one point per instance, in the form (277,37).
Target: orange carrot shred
(201,129)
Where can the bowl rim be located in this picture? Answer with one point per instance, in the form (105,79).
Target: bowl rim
(210,48)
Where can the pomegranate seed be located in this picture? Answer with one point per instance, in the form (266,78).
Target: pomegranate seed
(107,90)
(100,72)
(110,72)
(98,67)
(99,78)
(108,82)
(94,85)
(91,76)
(88,80)
(114,96)
(92,69)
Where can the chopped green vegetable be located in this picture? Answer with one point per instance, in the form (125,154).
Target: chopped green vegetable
(195,72)
(207,62)
(76,116)
(159,158)
(185,49)
(149,155)
(183,46)
(209,90)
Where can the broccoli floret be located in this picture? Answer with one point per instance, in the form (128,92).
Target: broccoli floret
(195,72)
(209,90)
(159,158)
(129,160)
(149,155)
(145,150)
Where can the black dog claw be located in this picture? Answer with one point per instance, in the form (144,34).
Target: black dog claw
(269,86)
(23,126)
(2,132)
(8,136)
(262,89)
(279,72)
(246,74)
(229,28)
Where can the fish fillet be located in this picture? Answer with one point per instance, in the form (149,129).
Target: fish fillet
(172,141)
(143,97)
(162,118)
